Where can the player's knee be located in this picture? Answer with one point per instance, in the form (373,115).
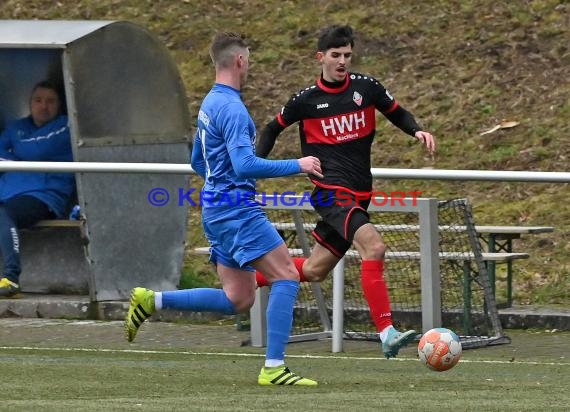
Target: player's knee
(317,276)
(378,249)
(243,303)
(286,273)
(314,272)
(373,250)
(290,274)
(242,298)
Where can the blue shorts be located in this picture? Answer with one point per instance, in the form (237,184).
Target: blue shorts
(238,235)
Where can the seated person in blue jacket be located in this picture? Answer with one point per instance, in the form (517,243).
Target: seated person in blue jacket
(27,197)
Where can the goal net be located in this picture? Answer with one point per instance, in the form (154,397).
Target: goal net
(467,302)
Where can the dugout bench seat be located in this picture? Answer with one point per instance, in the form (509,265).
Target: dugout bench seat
(54,259)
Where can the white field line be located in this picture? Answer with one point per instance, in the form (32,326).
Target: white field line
(257,355)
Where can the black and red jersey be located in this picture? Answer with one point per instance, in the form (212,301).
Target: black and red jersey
(338,125)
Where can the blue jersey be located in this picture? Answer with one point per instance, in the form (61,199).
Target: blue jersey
(224,146)
(23,140)
(224,124)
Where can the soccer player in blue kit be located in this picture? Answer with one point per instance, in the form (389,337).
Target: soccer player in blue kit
(241,237)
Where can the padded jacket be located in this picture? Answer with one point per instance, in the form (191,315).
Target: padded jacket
(23,141)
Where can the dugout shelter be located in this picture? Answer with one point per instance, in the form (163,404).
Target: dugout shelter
(127,103)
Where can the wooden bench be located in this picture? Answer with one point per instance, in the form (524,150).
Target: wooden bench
(64,223)
(507,232)
(463,259)
(58,223)
(498,241)
(497,257)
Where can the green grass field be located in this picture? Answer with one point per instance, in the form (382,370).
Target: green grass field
(57,365)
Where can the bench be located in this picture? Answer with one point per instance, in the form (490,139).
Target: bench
(54,259)
(497,257)
(498,241)
(463,259)
(57,223)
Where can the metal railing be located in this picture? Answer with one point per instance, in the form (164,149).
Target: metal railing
(385,173)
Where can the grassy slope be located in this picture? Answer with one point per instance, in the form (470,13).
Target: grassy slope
(460,67)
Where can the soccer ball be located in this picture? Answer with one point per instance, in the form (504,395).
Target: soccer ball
(439,349)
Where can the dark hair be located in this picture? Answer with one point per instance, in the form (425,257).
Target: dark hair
(335,36)
(224,46)
(48,84)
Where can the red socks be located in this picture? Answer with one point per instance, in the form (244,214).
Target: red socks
(373,286)
(376,292)
(261,281)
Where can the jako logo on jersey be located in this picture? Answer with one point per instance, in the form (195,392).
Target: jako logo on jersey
(204,118)
(344,124)
(322,105)
(357,98)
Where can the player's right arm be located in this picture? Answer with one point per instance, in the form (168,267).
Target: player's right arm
(401,117)
(243,158)
(197,160)
(247,165)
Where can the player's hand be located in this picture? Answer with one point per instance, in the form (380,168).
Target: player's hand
(311,165)
(427,139)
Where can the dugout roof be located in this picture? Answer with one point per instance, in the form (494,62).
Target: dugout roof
(126,103)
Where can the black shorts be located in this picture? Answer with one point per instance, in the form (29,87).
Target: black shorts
(342,213)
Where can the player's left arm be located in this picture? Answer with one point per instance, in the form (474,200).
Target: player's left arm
(289,114)
(405,121)
(267,138)
(399,116)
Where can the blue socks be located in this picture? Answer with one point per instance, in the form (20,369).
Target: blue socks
(280,316)
(198,300)
(279,310)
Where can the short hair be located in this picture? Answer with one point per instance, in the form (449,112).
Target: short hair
(335,36)
(48,84)
(224,46)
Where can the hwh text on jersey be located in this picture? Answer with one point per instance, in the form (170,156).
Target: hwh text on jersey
(344,124)
(340,128)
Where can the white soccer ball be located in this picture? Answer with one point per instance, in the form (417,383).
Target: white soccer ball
(439,349)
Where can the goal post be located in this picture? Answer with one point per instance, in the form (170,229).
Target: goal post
(295,218)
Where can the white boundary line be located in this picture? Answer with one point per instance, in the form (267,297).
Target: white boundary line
(257,355)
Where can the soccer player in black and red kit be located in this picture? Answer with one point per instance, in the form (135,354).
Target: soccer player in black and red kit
(337,124)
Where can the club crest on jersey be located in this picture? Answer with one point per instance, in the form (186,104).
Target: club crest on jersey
(357,98)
